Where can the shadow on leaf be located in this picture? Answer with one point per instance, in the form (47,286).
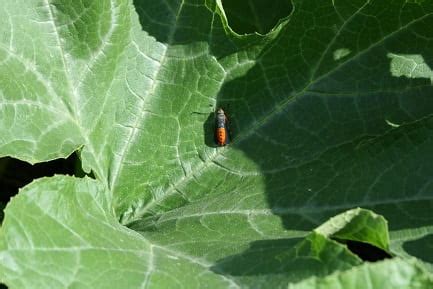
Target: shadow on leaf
(256,15)
(319,111)
(421,248)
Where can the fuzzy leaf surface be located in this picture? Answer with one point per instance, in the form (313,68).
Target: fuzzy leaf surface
(331,110)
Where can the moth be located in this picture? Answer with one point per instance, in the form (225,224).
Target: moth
(221,128)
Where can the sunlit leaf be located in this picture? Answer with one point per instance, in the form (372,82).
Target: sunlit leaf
(329,111)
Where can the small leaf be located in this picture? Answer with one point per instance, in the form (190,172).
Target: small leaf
(358,225)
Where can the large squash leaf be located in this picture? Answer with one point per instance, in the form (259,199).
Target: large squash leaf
(330,110)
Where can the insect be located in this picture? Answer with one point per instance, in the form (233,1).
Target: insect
(221,128)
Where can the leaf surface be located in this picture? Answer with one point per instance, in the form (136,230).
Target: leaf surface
(411,276)
(358,225)
(329,111)
(61,232)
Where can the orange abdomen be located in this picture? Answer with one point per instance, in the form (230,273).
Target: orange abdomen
(221,136)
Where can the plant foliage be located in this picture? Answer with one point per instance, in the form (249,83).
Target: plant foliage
(329,111)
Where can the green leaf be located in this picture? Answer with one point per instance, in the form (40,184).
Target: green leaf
(330,111)
(377,276)
(358,225)
(61,232)
(54,220)
(286,261)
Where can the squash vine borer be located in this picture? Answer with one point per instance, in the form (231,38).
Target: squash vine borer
(221,128)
